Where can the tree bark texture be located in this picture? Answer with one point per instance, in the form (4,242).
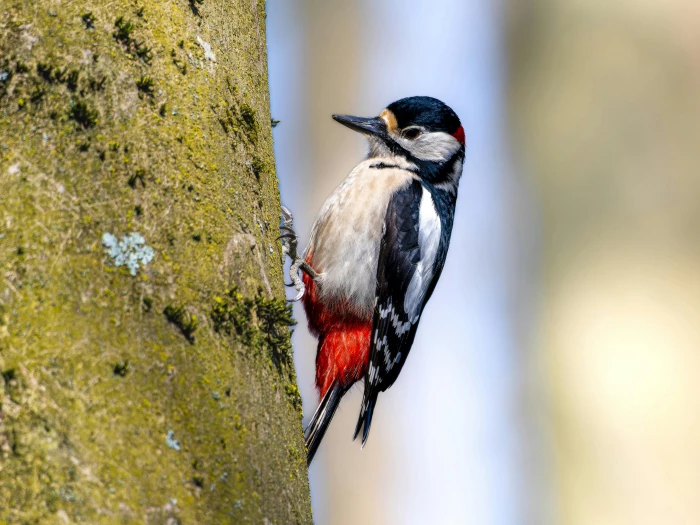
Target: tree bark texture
(144,338)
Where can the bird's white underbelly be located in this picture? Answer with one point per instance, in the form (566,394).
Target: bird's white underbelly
(346,236)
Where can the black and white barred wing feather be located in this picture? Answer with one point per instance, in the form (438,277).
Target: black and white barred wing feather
(411,257)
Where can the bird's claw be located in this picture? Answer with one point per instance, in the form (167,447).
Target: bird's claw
(296,279)
(287,218)
(289,248)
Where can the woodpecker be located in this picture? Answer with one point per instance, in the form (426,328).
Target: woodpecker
(376,252)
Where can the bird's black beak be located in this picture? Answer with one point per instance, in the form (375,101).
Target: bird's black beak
(366,126)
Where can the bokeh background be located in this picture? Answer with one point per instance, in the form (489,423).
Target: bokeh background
(555,378)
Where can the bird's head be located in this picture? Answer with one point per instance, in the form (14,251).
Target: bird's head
(423,130)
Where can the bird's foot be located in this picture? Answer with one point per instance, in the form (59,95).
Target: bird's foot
(289,236)
(290,242)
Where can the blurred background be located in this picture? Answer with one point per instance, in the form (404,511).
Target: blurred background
(555,378)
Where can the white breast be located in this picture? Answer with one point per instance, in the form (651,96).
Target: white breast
(345,238)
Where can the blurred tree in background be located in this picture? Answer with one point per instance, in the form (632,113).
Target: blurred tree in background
(144,338)
(606,115)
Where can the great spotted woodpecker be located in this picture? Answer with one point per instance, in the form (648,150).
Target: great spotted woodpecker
(376,252)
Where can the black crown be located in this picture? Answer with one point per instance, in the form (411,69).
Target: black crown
(428,112)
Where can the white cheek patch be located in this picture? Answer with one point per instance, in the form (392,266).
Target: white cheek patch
(456,172)
(429,241)
(433,146)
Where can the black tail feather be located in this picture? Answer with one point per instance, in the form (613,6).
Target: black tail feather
(365,419)
(321,419)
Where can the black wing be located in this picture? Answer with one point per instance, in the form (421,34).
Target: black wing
(394,328)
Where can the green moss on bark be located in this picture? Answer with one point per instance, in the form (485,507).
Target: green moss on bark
(154,119)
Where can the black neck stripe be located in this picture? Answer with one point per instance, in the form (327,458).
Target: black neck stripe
(385,166)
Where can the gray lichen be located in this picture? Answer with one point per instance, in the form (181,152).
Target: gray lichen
(171,441)
(131,251)
(206,46)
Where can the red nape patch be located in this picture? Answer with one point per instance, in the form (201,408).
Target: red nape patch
(459,135)
(343,340)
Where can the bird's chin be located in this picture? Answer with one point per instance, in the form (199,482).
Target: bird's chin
(377,147)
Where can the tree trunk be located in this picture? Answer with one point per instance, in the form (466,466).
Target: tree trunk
(144,342)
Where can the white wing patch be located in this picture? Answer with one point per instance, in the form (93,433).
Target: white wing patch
(429,240)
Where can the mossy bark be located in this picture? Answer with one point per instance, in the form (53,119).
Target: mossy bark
(157,391)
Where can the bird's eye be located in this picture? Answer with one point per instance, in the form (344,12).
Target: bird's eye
(412,133)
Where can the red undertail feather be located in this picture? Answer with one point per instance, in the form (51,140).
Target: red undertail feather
(343,341)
